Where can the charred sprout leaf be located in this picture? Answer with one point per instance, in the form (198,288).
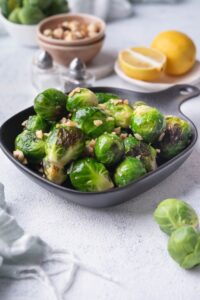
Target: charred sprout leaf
(54,172)
(64,144)
(173,213)
(120,111)
(32,147)
(80,98)
(30,15)
(35,123)
(148,123)
(146,153)
(109,149)
(177,137)
(104,97)
(88,175)
(93,121)
(129,170)
(184,247)
(50,104)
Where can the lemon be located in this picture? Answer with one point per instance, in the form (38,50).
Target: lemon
(142,63)
(179,50)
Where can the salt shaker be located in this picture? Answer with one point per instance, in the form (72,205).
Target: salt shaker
(45,74)
(77,76)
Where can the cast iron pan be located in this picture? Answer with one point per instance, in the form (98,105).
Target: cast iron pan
(167,101)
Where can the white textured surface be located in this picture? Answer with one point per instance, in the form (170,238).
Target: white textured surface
(123,241)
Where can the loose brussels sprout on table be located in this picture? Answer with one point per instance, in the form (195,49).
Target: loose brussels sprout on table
(79,98)
(148,123)
(32,147)
(172,214)
(93,121)
(88,175)
(98,141)
(177,137)
(109,149)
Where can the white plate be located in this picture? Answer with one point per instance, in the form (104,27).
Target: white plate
(164,82)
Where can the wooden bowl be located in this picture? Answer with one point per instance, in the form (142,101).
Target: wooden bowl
(63,55)
(54,21)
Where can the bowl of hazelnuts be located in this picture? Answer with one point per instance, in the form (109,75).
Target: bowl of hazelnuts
(66,36)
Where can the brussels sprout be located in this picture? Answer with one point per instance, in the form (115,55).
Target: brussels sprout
(14,16)
(121,111)
(30,15)
(148,123)
(128,170)
(54,172)
(57,7)
(147,153)
(104,97)
(109,149)
(177,137)
(184,247)
(32,147)
(79,98)
(64,144)
(7,6)
(93,121)
(42,4)
(35,123)
(50,104)
(173,213)
(88,175)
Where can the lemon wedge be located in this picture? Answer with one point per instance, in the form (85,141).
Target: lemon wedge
(142,63)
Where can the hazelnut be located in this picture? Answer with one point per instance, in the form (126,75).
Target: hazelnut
(58,33)
(48,32)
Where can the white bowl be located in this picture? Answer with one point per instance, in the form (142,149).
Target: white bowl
(23,34)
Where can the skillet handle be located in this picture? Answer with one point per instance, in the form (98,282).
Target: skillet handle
(171,99)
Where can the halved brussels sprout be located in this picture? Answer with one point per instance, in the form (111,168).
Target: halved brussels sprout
(146,153)
(32,147)
(80,98)
(121,111)
(54,172)
(30,15)
(88,175)
(35,123)
(64,144)
(93,121)
(173,213)
(129,170)
(104,97)
(177,137)
(109,149)
(148,122)
(50,104)
(184,247)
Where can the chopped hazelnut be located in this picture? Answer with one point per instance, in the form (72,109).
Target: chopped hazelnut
(24,123)
(19,155)
(71,123)
(116,101)
(123,135)
(39,134)
(126,101)
(58,33)
(110,119)
(158,150)
(117,130)
(97,123)
(102,106)
(48,32)
(138,136)
(93,27)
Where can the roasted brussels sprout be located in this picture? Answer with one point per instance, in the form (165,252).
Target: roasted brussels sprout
(54,172)
(173,213)
(32,147)
(35,123)
(43,5)
(79,98)
(109,149)
(177,137)
(184,247)
(128,170)
(104,97)
(148,123)
(30,15)
(14,15)
(64,144)
(88,175)
(50,104)
(57,7)
(146,153)
(93,121)
(7,6)
(121,111)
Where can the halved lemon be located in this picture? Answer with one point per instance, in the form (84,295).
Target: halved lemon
(142,63)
